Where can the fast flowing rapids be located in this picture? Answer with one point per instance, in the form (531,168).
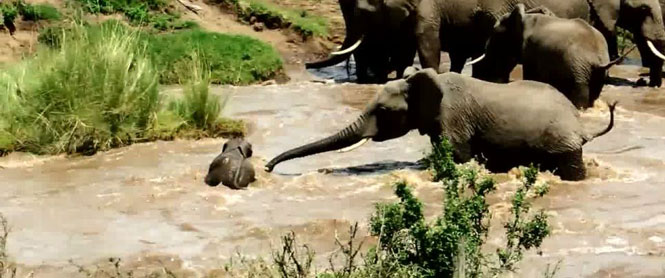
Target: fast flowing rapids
(148,202)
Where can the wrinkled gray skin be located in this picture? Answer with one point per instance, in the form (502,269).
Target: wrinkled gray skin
(388,39)
(643,18)
(462,27)
(507,124)
(232,167)
(394,29)
(568,54)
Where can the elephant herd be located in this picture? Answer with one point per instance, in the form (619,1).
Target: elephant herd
(565,47)
(384,36)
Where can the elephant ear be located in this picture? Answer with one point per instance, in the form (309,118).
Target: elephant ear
(398,11)
(245,149)
(604,14)
(424,98)
(516,17)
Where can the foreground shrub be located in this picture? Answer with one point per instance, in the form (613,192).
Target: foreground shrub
(451,245)
(232,59)
(96,90)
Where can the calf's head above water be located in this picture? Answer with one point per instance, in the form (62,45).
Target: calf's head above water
(227,165)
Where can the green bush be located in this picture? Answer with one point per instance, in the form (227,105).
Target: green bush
(233,59)
(9,13)
(452,244)
(38,12)
(97,89)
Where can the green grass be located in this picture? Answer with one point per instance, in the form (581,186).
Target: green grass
(274,16)
(152,13)
(233,59)
(96,89)
(34,12)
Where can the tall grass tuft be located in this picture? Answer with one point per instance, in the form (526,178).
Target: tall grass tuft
(97,91)
(198,107)
(96,88)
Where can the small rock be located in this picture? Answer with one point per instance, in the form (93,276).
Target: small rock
(269,82)
(258,27)
(252,20)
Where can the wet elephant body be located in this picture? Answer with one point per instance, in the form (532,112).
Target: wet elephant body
(568,54)
(644,19)
(232,167)
(462,27)
(505,124)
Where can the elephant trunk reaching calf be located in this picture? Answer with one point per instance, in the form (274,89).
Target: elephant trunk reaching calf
(508,124)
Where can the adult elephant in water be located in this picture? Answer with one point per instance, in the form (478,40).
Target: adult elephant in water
(379,35)
(508,124)
(462,27)
(644,19)
(384,35)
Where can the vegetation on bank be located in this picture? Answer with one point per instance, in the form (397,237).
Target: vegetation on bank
(153,13)
(28,12)
(97,88)
(232,59)
(276,17)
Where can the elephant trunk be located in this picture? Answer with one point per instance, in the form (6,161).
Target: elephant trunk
(344,138)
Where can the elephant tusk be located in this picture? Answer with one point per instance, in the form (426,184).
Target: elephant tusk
(348,50)
(476,60)
(354,146)
(655,51)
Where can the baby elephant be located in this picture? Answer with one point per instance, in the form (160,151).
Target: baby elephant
(568,54)
(232,167)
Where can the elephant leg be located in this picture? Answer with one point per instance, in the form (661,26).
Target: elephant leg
(580,96)
(457,62)
(570,166)
(428,25)
(612,46)
(655,73)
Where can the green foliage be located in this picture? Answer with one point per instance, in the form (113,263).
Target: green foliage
(9,13)
(34,12)
(97,88)
(277,17)
(232,59)
(624,40)
(452,243)
(153,13)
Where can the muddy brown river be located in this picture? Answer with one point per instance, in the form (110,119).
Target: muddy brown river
(147,203)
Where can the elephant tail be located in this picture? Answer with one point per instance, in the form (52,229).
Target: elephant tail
(609,126)
(618,60)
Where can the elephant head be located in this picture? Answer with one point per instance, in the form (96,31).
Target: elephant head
(227,166)
(400,106)
(644,19)
(504,48)
(371,26)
